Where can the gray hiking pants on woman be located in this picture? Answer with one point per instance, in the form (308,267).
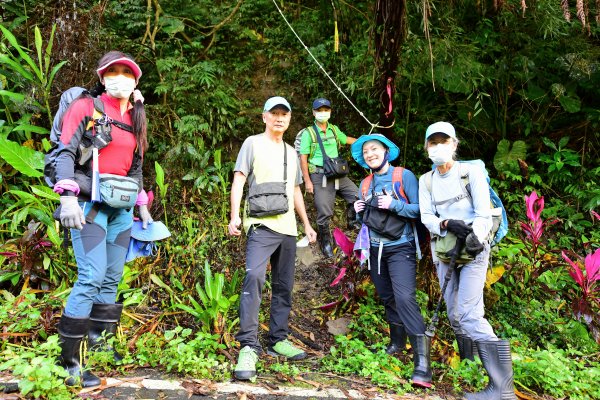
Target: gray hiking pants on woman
(464,297)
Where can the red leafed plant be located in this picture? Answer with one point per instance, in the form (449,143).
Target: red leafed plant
(534,228)
(587,304)
(27,254)
(349,272)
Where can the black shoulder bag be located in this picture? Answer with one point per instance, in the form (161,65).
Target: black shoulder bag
(335,167)
(269,198)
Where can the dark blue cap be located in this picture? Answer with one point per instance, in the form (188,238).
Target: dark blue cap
(321,102)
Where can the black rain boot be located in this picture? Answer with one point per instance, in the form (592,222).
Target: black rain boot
(352,223)
(496,359)
(103,325)
(325,240)
(71,332)
(397,339)
(421,345)
(467,348)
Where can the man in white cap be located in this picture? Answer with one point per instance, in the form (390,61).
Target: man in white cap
(266,161)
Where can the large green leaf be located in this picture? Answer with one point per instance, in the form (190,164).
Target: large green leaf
(507,158)
(25,160)
(31,128)
(570,104)
(15,96)
(4,59)
(13,41)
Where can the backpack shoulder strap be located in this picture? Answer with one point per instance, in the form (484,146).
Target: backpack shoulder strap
(364,186)
(428,178)
(313,141)
(336,132)
(98,107)
(464,169)
(397,176)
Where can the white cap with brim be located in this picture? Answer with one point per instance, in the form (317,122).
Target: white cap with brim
(137,71)
(276,101)
(357,152)
(440,127)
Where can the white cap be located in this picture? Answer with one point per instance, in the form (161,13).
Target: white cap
(440,127)
(276,101)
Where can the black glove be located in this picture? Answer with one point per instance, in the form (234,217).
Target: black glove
(472,245)
(459,228)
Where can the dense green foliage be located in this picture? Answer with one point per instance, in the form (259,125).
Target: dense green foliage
(522,89)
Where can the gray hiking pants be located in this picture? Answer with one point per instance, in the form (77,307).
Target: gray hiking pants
(325,196)
(264,245)
(464,297)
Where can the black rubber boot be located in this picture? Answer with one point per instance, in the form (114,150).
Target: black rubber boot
(351,218)
(71,333)
(496,359)
(104,319)
(397,339)
(325,240)
(421,345)
(467,348)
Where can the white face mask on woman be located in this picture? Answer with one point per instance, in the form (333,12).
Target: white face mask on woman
(322,116)
(119,86)
(441,153)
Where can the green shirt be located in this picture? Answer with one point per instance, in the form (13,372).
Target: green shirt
(329,143)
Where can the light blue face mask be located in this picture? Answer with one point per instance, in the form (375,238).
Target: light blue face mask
(142,240)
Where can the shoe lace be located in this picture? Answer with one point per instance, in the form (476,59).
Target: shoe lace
(247,358)
(285,346)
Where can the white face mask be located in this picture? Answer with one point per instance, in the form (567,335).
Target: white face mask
(322,116)
(119,86)
(441,153)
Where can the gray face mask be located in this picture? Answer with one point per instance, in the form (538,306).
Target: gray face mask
(441,153)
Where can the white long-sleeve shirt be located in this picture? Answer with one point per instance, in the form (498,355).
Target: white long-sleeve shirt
(448,185)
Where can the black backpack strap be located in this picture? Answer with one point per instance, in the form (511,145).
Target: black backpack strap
(105,119)
(122,125)
(89,218)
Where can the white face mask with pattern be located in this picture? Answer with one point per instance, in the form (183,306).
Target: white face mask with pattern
(322,116)
(119,86)
(441,153)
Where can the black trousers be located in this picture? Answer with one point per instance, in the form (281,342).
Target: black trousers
(395,282)
(265,245)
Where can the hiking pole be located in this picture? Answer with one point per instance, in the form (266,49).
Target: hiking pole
(435,319)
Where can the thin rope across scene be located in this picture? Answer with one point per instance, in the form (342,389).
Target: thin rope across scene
(373,126)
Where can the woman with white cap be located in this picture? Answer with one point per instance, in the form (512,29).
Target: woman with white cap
(391,194)
(105,135)
(455,212)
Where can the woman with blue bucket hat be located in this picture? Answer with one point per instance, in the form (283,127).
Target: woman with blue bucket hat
(388,203)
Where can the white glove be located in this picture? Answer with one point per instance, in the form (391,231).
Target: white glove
(71,214)
(145,216)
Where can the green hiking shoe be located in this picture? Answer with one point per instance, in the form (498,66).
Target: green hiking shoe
(287,349)
(246,365)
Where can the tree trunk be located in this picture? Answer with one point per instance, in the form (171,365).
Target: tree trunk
(390,32)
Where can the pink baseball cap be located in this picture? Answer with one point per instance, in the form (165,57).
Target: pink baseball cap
(137,72)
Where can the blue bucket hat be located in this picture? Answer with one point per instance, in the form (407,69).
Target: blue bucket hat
(155,231)
(142,240)
(357,152)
